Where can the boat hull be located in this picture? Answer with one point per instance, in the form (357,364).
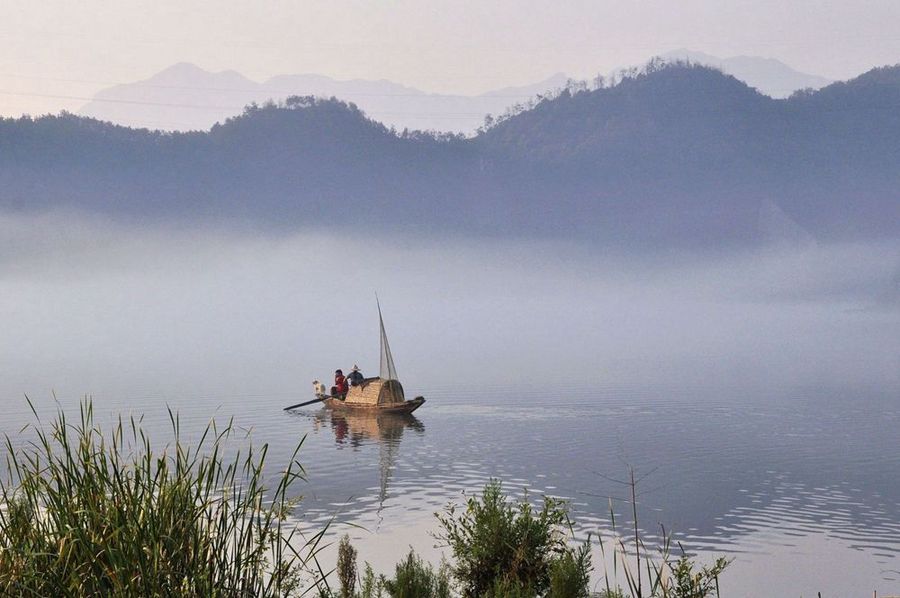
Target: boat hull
(404,407)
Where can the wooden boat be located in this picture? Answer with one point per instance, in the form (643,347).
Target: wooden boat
(376,394)
(402,408)
(382,394)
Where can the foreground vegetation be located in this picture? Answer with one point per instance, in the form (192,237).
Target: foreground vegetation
(88,513)
(506,549)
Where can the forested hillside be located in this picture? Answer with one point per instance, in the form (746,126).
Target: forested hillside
(675,155)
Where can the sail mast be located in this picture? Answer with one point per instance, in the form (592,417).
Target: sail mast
(387,370)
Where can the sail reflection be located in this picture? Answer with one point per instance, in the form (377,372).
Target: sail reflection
(384,429)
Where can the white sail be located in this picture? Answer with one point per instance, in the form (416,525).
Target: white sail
(387,371)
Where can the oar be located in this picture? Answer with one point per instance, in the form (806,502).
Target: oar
(320,399)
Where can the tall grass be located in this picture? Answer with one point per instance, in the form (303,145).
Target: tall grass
(667,576)
(91,513)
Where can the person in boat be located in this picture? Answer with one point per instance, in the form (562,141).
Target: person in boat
(340,387)
(355,377)
(318,389)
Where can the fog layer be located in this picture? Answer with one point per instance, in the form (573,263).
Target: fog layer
(90,307)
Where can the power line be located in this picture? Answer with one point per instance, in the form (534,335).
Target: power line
(261,87)
(235,109)
(116,101)
(461,115)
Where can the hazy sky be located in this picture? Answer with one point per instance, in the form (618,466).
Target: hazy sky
(71,49)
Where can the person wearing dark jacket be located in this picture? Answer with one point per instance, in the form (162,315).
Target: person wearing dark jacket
(355,377)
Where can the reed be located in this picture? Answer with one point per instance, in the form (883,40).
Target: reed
(666,575)
(346,568)
(93,513)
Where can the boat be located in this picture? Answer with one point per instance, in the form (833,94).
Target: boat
(381,394)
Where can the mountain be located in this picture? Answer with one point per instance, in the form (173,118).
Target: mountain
(675,156)
(690,147)
(185,97)
(552,83)
(771,77)
(182,97)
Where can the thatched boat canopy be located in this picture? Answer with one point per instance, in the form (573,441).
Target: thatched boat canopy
(374,392)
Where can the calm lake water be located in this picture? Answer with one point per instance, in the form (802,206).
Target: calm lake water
(802,489)
(756,395)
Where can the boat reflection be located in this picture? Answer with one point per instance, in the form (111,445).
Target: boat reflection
(358,429)
(385,428)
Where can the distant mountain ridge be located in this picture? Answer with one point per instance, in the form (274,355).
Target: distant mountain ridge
(768,75)
(676,156)
(186,97)
(697,148)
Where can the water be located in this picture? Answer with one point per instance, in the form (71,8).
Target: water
(801,488)
(755,396)
(798,483)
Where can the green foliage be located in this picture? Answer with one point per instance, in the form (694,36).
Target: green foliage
(509,588)
(666,578)
(688,583)
(372,586)
(414,578)
(346,567)
(94,514)
(495,540)
(676,580)
(570,574)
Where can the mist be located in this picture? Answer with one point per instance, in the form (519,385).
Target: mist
(93,307)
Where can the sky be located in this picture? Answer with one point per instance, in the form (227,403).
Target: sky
(54,53)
